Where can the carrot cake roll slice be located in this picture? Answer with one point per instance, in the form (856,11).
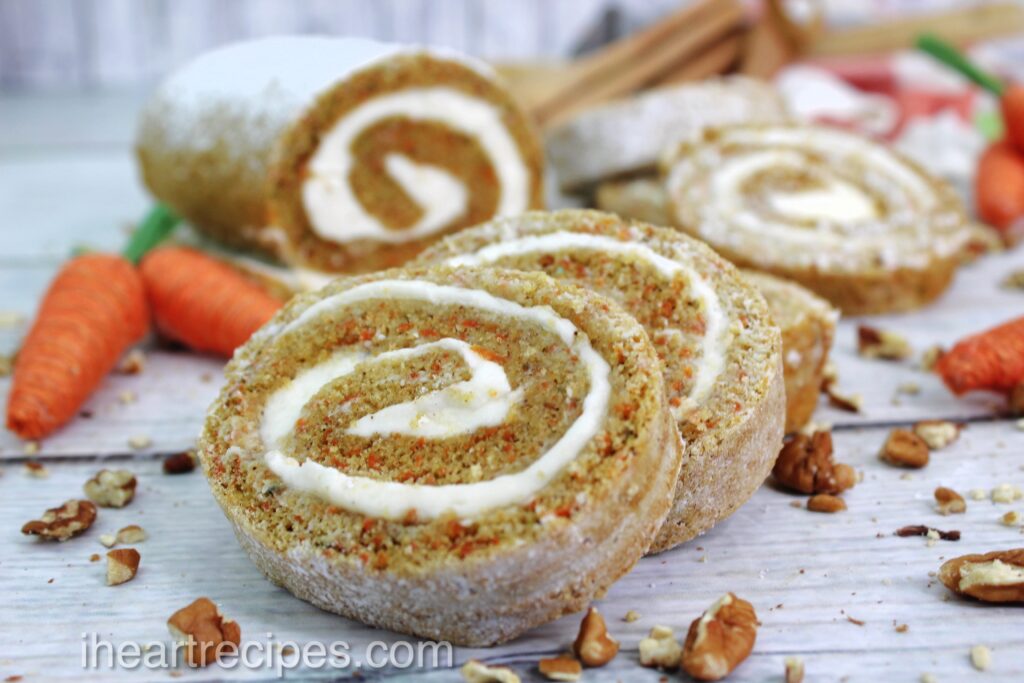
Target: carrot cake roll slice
(720,352)
(629,136)
(340,154)
(458,455)
(847,217)
(808,325)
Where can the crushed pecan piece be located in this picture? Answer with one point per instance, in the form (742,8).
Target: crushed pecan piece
(904,448)
(794,670)
(206,633)
(70,519)
(805,465)
(122,565)
(180,463)
(111,488)
(560,669)
(949,502)
(922,530)
(882,344)
(36,470)
(851,403)
(475,671)
(593,645)
(660,649)
(937,434)
(133,363)
(720,639)
(997,576)
(133,533)
(824,502)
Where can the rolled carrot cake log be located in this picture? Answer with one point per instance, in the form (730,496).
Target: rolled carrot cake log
(720,351)
(808,325)
(629,136)
(339,154)
(846,217)
(459,455)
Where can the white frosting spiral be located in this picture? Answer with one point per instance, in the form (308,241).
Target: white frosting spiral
(714,340)
(485,399)
(812,197)
(335,212)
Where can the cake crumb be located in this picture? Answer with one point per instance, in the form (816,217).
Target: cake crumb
(631,616)
(1006,493)
(978,494)
(140,442)
(981,657)
(1011,518)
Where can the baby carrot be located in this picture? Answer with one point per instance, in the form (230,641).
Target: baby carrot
(94,309)
(993,360)
(203,302)
(999,186)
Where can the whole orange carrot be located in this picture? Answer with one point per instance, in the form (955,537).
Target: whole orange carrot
(993,360)
(203,302)
(94,310)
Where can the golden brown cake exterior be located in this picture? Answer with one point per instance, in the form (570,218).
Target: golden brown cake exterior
(808,325)
(720,350)
(434,556)
(337,154)
(851,220)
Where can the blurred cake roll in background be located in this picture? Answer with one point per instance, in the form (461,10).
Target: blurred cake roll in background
(337,154)
(848,218)
(629,136)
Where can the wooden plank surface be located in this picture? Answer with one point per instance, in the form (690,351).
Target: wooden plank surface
(819,568)
(804,572)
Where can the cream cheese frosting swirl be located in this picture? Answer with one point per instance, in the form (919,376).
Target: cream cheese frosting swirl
(485,399)
(811,197)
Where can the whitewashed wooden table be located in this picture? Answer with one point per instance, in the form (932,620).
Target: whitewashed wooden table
(67,178)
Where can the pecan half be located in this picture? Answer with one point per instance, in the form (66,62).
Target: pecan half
(593,645)
(992,577)
(720,639)
(60,524)
(805,464)
(904,448)
(111,488)
(204,630)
